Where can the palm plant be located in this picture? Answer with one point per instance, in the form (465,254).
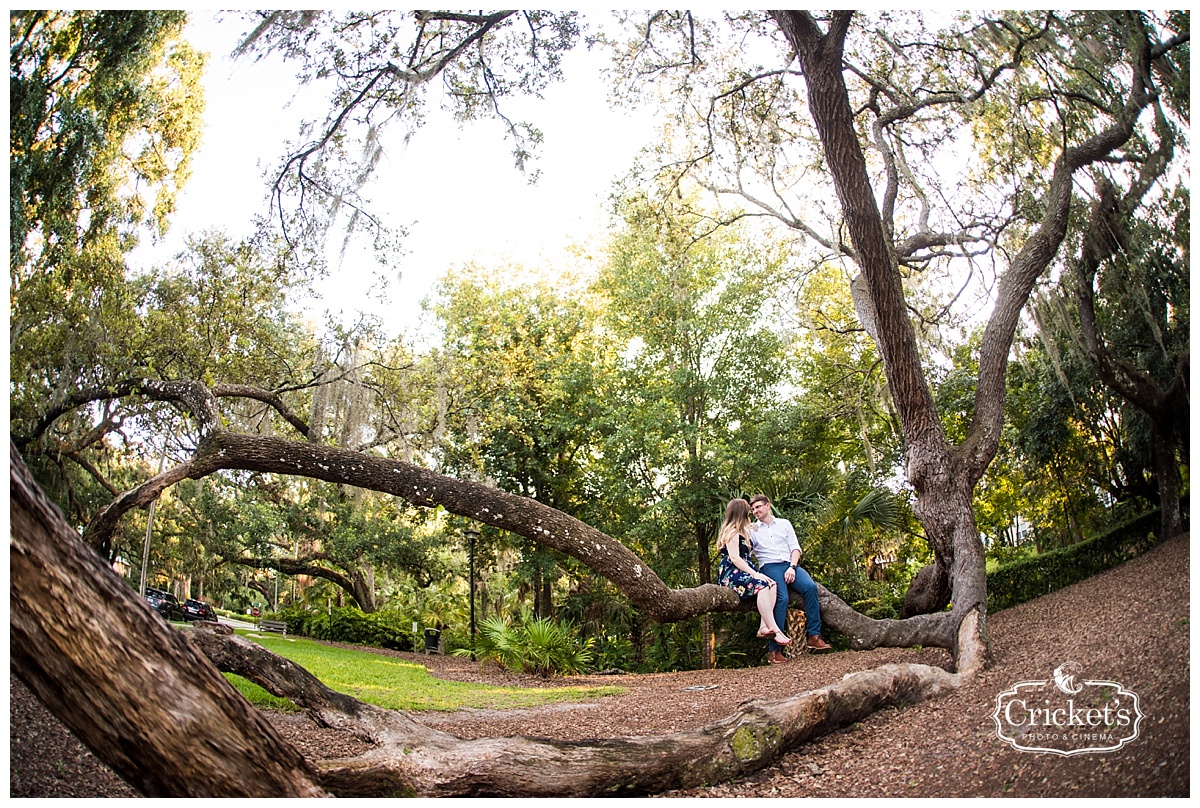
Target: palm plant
(543,646)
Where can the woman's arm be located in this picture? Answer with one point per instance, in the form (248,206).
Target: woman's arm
(735,558)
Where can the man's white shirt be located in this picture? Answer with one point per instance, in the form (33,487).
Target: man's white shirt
(774,542)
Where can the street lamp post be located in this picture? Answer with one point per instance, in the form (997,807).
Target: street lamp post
(472,535)
(162,460)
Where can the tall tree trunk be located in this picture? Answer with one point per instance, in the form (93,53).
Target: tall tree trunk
(1166,469)
(940,478)
(545,599)
(708,640)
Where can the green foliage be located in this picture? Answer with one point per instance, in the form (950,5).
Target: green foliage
(217,314)
(736,640)
(1000,554)
(542,646)
(104,105)
(346,625)
(699,371)
(104,116)
(1032,577)
(669,647)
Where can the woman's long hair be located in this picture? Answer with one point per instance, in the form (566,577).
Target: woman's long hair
(737,518)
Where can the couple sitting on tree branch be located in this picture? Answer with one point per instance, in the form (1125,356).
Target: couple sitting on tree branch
(772,540)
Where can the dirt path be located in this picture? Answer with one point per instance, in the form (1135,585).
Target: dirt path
(1129,625)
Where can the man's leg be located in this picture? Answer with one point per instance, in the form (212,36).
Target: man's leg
(806,588)
(775,573)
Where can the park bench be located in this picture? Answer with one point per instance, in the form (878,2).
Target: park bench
(277,626)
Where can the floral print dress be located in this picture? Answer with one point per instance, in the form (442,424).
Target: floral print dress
(743,583)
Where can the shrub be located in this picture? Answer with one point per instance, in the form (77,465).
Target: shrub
(1032,577)
(346,625)
(542,646)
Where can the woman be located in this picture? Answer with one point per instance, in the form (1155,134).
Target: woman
(739,573)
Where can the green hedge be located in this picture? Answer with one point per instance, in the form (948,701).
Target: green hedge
(347,625)
(1033,577)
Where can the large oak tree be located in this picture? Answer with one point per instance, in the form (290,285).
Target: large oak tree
(856,109)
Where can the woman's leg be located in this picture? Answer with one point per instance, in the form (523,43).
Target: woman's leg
(766,608)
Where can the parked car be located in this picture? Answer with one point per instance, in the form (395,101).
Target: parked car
(165,604)
(198,610)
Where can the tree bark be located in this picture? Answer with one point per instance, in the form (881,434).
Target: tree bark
(107,666)
(939,479)
(708,639)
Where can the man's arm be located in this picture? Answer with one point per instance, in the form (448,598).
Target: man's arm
(790,532)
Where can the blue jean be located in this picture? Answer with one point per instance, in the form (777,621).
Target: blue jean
(805,587)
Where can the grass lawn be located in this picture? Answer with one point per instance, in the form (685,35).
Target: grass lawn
(395,684)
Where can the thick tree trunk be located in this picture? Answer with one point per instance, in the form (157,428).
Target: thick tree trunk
(1166,469)
(941,478)
(121,679)
(363,590)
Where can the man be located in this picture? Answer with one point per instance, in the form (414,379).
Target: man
(778,555)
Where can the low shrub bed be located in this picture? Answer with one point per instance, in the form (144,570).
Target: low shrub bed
(1033,577)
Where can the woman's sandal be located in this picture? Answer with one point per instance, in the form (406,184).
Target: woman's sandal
(781,640)
(767,633)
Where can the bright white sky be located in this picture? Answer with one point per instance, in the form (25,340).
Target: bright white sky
(455,188)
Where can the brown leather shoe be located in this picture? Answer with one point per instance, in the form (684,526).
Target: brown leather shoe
(776,658)
(815,643)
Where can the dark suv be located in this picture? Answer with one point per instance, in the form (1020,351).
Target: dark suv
(198,610)
(165,604)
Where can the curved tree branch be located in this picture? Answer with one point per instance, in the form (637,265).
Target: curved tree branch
(266,397)
(1036,253)
(220,449)
(309,566)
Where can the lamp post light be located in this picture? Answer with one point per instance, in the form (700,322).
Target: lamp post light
(472,535)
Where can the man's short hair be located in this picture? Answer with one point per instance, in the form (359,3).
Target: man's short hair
(760,498)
